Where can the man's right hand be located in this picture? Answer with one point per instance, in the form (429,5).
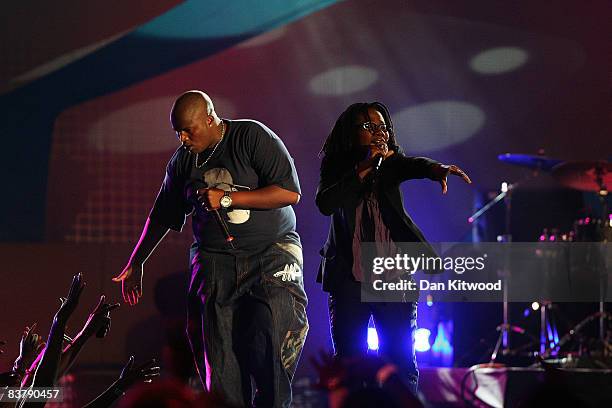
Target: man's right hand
(131,283)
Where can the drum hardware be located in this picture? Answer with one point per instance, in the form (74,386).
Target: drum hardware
(593,176)
(538,162)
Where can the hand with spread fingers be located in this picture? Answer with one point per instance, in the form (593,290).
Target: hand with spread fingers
(30,346)
(210,198)
(131,283)
(443,170)
(131,375)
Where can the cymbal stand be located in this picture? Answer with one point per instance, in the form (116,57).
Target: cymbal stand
(503,341)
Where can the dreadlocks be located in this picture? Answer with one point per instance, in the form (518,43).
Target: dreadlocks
(341,140)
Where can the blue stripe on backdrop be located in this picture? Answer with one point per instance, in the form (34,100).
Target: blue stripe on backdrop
(187,33)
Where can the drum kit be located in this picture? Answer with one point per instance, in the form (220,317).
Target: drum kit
(586,176)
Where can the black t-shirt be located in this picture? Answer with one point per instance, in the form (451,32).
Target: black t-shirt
(249,156)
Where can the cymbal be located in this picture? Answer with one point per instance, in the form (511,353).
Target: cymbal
(585,175)
(531,161)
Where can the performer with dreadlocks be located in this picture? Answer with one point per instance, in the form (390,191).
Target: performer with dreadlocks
(361,171)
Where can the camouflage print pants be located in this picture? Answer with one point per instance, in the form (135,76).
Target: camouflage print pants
(247,323)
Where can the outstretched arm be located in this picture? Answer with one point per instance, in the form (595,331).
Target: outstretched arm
(422,167)
(443,170)
(130,375)
(30,347)
(131,276)
(99,320)
(46,373)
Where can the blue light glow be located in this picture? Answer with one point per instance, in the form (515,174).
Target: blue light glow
(421,340)
(442,343)
(372,338)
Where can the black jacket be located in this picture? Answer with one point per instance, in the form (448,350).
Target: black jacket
(339,194)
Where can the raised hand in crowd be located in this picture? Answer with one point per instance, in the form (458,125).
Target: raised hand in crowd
(99,320)
(30,346)
(46,373)
(97,323)
(69,304)
(129,376)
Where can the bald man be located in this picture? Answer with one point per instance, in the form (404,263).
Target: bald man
(246,301)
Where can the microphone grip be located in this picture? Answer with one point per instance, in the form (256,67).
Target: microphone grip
(220,221)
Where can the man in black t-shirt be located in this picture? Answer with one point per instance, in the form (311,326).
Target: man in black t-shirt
(246,300)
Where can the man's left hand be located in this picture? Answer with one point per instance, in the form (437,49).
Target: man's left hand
(444,170)
(210,198)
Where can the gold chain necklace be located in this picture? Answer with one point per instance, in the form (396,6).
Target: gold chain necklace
(213,150)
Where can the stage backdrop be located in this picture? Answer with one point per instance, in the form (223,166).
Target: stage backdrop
(86,135)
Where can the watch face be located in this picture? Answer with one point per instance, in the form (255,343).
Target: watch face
(226,201)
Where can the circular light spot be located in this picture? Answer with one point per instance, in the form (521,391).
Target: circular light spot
(436,125)
(499,60)
(143,127)
(343,80)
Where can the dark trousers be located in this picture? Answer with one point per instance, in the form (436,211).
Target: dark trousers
(395,324)
(247,323)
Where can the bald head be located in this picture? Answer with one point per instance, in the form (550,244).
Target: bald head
(192,104)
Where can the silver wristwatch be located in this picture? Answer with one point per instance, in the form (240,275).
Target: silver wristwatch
(226,200)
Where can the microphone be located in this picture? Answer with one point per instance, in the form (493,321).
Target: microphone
(378,157)
(229,238)
(377,162)
(223,225)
